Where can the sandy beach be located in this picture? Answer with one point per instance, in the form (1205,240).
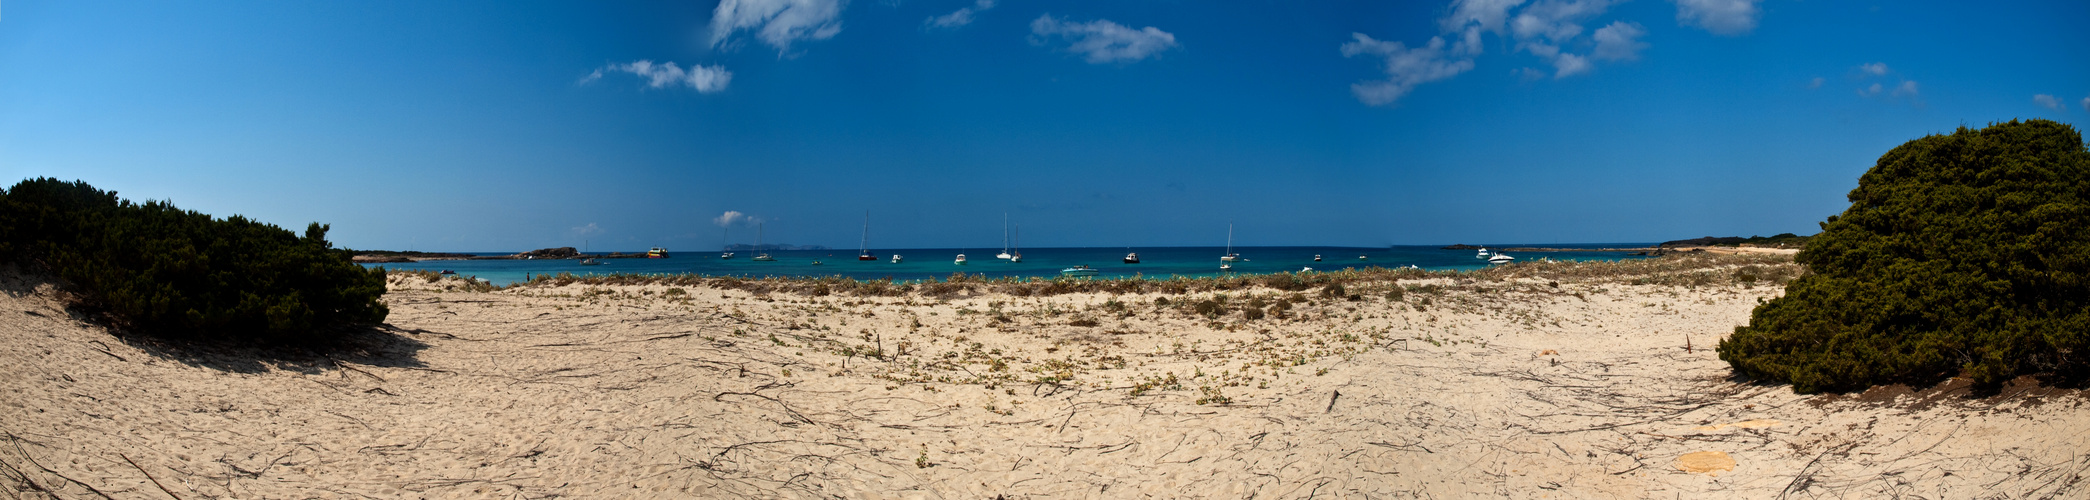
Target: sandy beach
(1538,380)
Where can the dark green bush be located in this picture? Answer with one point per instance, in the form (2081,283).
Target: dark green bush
(159,270)
(1964,254)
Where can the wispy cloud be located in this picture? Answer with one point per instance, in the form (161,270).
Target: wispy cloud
(1405,67)
(704,79)
(1817,82)
(1874,69)
(1721,17)
(2086,104)
(960,17)
(1906,89)
(589,230)
(1873,90)
(1545,27)
(1485,14)
(778,23)
(1619,42)
(2050,102)
(1102,41)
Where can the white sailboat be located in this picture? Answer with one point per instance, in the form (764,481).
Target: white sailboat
(760,256)
(724,238)
(863,247)
(1018,256)
(1004,255)
(1230,255)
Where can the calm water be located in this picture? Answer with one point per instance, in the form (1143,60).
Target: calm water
(937,262)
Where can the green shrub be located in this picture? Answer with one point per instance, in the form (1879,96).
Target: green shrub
(1963,254)
(159,270)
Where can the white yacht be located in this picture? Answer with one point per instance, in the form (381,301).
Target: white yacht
(896,258)
(1230,255)
(1500,258)
(961,260)
(1483,253)
(1004,255)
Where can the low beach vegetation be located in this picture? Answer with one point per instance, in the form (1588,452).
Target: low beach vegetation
(1963,254)
(155,269)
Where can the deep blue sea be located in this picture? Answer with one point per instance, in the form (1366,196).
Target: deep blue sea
(921,263)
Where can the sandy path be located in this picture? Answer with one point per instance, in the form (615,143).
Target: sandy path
(1516,388)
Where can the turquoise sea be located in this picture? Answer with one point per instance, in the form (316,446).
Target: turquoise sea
(922,263)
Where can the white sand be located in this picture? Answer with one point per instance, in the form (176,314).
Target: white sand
(1512,388)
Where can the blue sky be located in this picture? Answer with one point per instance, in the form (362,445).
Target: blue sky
(497,126)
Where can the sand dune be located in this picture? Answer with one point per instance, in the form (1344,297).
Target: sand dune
(1566,385)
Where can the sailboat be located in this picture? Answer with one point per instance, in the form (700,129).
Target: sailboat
(1018,256)
(723,237)
(863,247)
(760,256)
(1230,255)
(588,261)
(1004,255)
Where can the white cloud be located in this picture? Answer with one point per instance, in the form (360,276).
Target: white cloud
(1871,91)
(2050,102)
(1405,67)
(1874,69)
(2086,104)
(1817,82)
(1102,41)
(1544,27)
(705,79)
(1619,42)
(778,23)
(1906,89)
(730,218)
(1721,17)
(1570,65)
(1489,14)
(589,230)
(960,17)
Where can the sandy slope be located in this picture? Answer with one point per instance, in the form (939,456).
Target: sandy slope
(1517,388)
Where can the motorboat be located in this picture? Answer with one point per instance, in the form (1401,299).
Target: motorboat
(657,253)
(1483,253)
(447,272)
(590,262)
(896,258)
(1500,258)
(1225,267)
(1361,257)
(1080,271)
(726,255)
(816,263)
(1317,257)
(960,261)
(1131,258)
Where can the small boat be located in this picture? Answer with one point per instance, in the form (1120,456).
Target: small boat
(1004,255)
(760,256)
(1131,258)
(1483,253)
(1361,257)
(1306,269)
(1317,257)
(1223,267)
(723,236)
(816,263)
(896,258)
(1500,258)
(1018,256)
(447,272)
(1078,271)
(657,253)
(727,255)
(1230,255)
(590,262)
(863,248)
(960,261)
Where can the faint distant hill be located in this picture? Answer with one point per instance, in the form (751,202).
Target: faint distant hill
(743,247)
(1786,240)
